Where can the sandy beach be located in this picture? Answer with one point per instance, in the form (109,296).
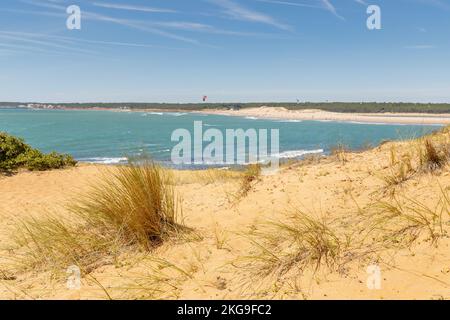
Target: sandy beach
(320,115)
(280,113)
(339,189)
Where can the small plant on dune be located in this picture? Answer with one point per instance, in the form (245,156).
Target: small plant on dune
(157,279)
(434,157)
(207,176)
(393,156)
(220,237)
(401,170)
(211,176)
(302,241)
(251,174)
(340,151)
(399,173)
(133,206)
(402,221)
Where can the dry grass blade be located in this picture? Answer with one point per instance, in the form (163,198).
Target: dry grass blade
(53,243)
(252,174)
(340,151)
(434,157)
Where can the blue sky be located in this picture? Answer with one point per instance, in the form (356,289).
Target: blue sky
(229,50)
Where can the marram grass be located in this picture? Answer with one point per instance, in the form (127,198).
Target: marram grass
(132,207)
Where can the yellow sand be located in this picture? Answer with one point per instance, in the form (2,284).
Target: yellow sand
(312,114)
(211,269)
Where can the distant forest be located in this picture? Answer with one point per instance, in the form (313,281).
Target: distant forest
(331,106)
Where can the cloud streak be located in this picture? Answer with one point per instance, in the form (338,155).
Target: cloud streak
(238,12)
(364,3)
(421,47)
(293,4)
(132,7)
(437,3)
(327,5)
(19,38)
(137,25)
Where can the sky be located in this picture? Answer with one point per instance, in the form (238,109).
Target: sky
(228,50)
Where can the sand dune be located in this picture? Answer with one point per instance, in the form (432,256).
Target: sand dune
(283,113)
(338,189)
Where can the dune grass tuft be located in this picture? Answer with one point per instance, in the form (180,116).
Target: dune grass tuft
(400,172)
(403,220)
(301,242)
(207,176)
(340,151)
(135,202)
(133,206)
(434,157)
(251,174)
(53,243)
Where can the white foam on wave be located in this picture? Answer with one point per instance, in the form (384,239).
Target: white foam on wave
(291,120)
(174,114)
(297,153)
(152,113)
(251,118)
(283,155)
(160,151)
(105,160)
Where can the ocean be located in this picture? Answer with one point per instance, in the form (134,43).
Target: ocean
(110,137)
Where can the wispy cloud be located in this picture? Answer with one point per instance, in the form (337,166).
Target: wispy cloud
(364,3)
(321,4)
(421,47)
(293,4)
(73,40)
(49,5)
(437,3)
(132,7)
(41,42)
(205,28)
(236,11)
(26,49)
(137,25)
(327,5)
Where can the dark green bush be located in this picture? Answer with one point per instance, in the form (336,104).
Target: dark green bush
(15,153)
(11,148)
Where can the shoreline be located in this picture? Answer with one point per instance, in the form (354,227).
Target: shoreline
(319,115)
(280,113)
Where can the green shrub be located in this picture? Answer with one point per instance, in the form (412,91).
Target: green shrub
(10,148)
(15,153)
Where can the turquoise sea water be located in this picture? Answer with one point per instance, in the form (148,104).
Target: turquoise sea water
(109,137)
